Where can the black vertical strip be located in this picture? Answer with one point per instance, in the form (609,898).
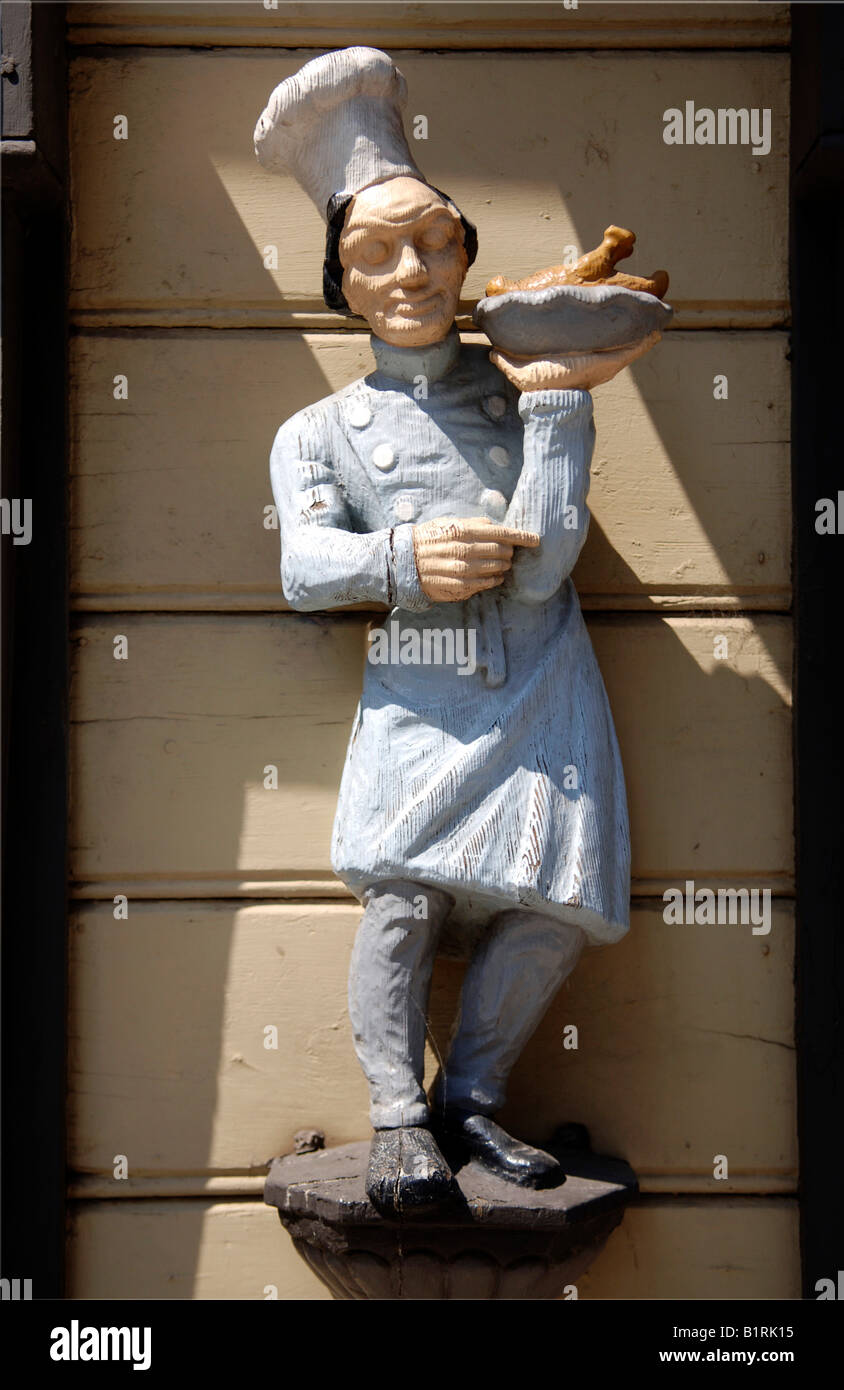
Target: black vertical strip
(817,286)
(34,648)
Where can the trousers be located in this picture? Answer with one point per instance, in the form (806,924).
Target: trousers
(511,979)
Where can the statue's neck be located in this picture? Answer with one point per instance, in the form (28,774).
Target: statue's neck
(432,361)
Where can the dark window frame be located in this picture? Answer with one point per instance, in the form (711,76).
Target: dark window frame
(817,295)
(34,648)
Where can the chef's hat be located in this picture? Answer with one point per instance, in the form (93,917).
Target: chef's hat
(336,126)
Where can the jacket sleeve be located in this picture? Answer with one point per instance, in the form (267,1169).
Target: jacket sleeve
(324,562)
(550,496)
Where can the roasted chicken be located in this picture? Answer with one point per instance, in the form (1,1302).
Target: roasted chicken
(595,268)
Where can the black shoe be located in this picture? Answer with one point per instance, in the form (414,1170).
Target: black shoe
(497,1151)
(407,1174)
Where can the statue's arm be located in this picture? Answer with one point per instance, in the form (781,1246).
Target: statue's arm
(324,562)
(550,496)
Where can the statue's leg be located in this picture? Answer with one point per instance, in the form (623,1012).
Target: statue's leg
(389,982)
(512,978)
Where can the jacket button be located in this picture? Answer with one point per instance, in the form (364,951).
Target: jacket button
(499,456)
(496,406)
(359,414)
(383,457)
(494,503)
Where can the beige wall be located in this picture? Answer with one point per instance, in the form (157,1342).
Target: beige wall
(235,921)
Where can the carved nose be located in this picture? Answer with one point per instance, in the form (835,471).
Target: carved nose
(411,267)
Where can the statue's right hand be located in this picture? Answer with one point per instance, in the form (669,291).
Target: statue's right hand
(458,556)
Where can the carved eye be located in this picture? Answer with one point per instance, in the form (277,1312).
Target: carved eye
(435,237)
(374,252)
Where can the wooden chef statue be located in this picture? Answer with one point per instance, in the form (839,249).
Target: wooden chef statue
(485,794)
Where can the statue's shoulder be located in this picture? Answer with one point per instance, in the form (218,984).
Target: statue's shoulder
(316,423)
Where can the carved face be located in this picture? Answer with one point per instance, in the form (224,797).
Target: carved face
(403,261)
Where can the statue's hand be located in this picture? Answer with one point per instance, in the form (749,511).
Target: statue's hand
(458,556)
(571,371)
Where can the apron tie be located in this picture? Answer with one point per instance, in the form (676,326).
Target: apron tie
(484,614)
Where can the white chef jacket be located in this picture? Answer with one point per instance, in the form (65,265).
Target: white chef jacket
(502,786)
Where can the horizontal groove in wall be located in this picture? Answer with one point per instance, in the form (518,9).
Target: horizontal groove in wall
(687,317)
(271,601)
(317,886)
(462,27)
(91,1187)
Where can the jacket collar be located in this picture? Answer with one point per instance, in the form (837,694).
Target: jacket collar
(405,363)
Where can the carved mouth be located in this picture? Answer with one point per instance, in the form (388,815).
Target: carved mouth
(413,308)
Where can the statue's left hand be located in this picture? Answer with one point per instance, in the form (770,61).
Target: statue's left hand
(571,371)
